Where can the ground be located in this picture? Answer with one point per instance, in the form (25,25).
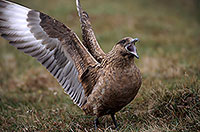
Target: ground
(169,49)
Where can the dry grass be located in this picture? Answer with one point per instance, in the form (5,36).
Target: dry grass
(169,99)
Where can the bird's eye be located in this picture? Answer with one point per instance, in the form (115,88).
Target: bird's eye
(122,42)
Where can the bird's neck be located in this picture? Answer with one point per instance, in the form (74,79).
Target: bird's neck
(117,59)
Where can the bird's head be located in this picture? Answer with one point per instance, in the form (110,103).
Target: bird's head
(127,47)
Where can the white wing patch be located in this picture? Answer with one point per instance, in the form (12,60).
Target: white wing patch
(25,33)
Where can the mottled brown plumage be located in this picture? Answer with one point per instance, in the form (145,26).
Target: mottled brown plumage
(118,83)
(89,39)
(99,83)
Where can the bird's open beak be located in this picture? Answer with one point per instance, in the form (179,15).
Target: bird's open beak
(136,55)
(134,40)
(132,49)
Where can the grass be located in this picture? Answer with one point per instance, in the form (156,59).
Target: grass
(169,99)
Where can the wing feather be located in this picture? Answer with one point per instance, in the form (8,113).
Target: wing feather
(53,44)
(89,39)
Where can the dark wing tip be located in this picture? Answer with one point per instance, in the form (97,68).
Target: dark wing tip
(5,36)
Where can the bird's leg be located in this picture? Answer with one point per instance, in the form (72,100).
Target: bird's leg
(96,123)
(113,118)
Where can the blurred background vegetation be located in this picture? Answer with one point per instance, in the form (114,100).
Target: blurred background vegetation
(169,49)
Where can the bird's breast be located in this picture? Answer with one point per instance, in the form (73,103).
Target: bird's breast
(115,88)
(123,82)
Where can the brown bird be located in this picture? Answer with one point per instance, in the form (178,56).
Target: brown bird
(99,83)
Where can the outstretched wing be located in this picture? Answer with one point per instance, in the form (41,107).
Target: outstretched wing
(89,39)
(53,44)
